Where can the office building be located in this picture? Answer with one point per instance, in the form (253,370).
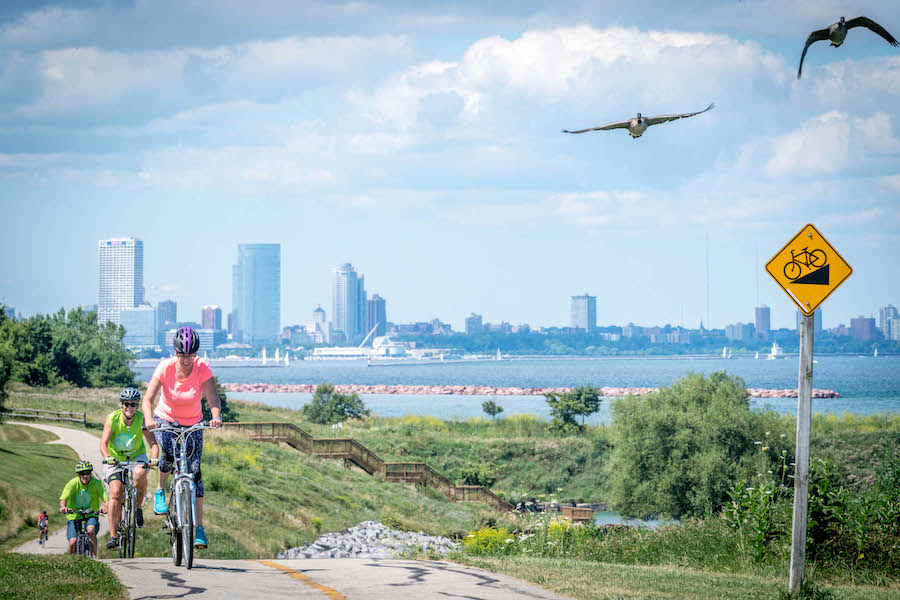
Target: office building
(211,317)
(894,329)
(120,277)
(884,320)
(739,332)
(763,320)
(817,320)
(863,328)
(319,329)
(348,302)
(141,326)
(584,313)
(168,313)
(376,315)
(256,293)
(10,312)
(210,339)
(474,324)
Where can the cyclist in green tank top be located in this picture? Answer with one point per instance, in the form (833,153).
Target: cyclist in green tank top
(124,440)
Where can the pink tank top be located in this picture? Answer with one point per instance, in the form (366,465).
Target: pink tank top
(180,399)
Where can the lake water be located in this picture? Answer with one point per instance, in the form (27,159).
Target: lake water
(867,385)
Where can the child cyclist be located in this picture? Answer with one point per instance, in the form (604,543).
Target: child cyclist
(124,440)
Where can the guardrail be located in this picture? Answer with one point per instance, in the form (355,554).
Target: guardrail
(53,415)
(349,449)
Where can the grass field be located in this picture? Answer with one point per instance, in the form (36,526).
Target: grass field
(588,580)
(32,474)
(35,577)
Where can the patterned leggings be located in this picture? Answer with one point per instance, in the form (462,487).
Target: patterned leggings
(194,441)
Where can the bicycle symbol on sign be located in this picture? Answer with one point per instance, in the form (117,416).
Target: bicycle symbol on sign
(815,259)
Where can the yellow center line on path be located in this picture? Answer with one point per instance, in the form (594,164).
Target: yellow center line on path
(332,593)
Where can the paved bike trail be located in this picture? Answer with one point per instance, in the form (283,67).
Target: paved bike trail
(87,446)
(319,579)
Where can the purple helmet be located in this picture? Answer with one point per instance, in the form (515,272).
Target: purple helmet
(186,341)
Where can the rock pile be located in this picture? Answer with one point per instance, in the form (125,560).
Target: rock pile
(484,390)
(371,539)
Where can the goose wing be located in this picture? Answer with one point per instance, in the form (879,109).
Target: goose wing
(617,125)
(664,118)
(873,26)
(815,36)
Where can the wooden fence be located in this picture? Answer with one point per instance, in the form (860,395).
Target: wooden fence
(349,449)
(53,415)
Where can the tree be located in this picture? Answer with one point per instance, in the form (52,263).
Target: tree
(583,401)
(491,408)
(477,474)
(73,347)
(6,359)
(226,412)
(679,451)
(328,407)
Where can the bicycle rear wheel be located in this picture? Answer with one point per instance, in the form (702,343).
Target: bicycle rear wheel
(187,526)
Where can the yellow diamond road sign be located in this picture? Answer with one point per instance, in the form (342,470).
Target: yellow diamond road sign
(808,268)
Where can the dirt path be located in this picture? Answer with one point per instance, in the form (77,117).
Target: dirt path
(87,446)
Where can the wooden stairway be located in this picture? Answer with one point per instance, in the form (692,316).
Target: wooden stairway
(351,450)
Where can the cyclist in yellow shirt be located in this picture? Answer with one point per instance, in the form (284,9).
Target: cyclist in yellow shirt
(123,440)
(84,492)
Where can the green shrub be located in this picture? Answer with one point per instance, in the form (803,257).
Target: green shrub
(480,474)
(678,451)
(328,407)
(490,541)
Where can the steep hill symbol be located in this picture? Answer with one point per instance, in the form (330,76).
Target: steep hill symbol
(817,277)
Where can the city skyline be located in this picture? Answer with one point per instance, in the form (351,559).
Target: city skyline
(422,143)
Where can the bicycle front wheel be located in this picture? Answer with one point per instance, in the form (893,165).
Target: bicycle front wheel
(187,526)
(817,258)
(130,517)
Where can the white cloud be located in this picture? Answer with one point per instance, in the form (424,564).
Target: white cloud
(78,80)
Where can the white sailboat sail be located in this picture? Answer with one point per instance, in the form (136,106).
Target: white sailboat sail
(287,358)
(277,355)
(264,359)
(724,351)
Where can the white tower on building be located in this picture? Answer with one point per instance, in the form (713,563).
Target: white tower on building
(120,277)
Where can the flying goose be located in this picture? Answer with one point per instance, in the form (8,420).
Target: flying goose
(638,125)
(836,32)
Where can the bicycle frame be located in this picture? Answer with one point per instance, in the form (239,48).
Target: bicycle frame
(184,481)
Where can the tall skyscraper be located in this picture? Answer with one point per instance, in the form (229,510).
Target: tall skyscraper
(120,277)
(376,314)
(256,281)
(211,317)
(584,312)
(884,320)
(348,301)
(763,320)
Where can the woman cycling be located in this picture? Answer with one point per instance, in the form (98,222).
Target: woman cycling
(183,381)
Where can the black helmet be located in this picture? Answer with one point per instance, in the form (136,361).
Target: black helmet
(130,393)
(186,341)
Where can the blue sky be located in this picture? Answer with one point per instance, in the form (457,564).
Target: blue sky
(421,142)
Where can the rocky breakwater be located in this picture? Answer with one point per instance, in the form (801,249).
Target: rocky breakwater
(484,390)
(371,539)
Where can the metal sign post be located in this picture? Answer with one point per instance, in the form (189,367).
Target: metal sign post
(801,454)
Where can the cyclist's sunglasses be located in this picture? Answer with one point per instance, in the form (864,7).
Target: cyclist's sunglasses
(130,404)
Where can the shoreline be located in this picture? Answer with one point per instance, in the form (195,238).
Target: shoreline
(484,390)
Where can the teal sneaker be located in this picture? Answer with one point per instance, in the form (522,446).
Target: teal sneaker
(200,539)
(159,503)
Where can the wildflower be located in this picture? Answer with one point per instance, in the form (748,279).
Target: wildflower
(764,448)
(758,443)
